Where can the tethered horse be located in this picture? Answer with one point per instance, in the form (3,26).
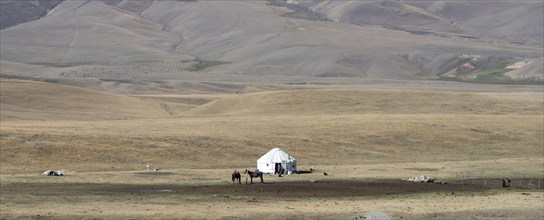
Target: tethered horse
(236,176)
(255,174)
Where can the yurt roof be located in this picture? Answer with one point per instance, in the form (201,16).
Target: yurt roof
(276,155)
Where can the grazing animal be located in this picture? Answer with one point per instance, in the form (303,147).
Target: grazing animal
(325,174)
(236,176)
(255,174)
(53,173)
(148,168)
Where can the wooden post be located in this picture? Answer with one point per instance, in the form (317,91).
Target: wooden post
(513,178)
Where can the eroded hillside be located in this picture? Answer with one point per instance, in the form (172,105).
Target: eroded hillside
(14,12)
(410,40)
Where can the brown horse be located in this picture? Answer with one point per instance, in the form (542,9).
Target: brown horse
(255,174)
(236,176)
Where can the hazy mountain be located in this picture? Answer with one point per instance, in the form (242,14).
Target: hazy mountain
(369,39)
(14,12)
(516,21)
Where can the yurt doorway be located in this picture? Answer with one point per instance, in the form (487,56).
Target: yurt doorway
(278,168)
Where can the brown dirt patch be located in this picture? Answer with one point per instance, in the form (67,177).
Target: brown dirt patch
(336,188)
(329,188)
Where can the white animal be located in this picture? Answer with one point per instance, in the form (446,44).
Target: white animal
(423,179)
(148,168)
(53,173)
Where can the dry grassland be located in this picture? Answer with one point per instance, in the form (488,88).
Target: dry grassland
(351,134)
(29,100)
(231,141)
(144,195)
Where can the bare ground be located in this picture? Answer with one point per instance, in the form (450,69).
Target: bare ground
(332,188)
(323,199)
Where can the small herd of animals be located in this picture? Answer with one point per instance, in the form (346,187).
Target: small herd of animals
(237,177)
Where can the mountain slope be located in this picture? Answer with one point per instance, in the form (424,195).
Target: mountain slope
(390,14)
(516,21)
(14,12)
(255,38)
(89,32)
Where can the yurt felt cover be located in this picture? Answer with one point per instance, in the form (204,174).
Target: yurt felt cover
(267,162)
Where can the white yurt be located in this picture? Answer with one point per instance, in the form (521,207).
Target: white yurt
(277,161)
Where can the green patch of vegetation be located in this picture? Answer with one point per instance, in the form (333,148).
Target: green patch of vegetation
(487,75)
(491,71)
(203,64)
(453,64)
(300,15)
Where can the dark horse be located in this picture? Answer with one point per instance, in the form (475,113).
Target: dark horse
(236,176)
(255,174)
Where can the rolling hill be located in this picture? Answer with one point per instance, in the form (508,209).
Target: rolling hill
(29,100)
(94,131)
(356,102)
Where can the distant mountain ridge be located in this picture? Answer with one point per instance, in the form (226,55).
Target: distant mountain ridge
(445,16)
(516,21)
(14,12)
(368,39)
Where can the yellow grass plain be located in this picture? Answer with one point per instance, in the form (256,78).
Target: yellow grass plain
(350,133)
